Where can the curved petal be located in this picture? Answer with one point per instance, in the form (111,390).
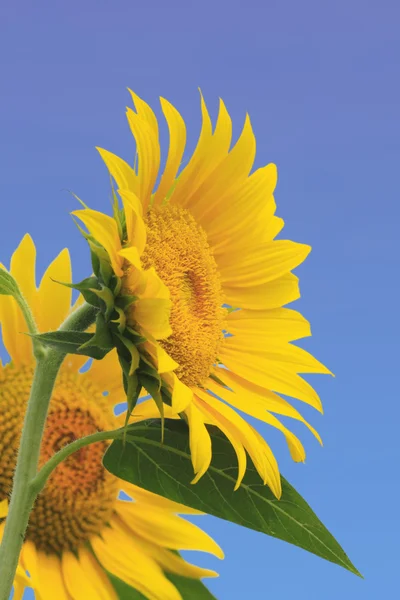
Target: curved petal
(199,440)
(84,578)
(227,176)
(269,401)
(262,264)
(278,379)
(135,227)
(104,229)
(143,496)
(256,446)
(115,550)
(273,294)
(166,529)
(54,299)
(284,324)
(177,142)
(123,174)
(145,131)
(247,405)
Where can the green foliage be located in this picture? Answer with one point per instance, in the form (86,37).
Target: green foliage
(166,469)
(73,342)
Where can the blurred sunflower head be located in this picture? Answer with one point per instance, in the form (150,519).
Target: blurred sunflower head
(80,527)
(199,284)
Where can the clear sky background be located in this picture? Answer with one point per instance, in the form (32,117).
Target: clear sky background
(321,83)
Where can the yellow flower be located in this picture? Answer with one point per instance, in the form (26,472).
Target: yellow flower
(79,526)
(199,242)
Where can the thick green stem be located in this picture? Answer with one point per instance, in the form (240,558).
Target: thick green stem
(23,494)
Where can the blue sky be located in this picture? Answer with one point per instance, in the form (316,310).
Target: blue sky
(321,83)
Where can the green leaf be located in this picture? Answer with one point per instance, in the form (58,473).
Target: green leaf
(8,285)
(166,469)
(190,589)
(72,342)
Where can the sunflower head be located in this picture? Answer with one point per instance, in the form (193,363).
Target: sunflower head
(190,284)
(81,531)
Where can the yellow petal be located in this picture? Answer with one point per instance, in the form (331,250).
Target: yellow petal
(125,177)
(120,555)
(177,141)
(135,227)
(280,323)
(104,229)
(263,397)
(45,571)
(266,353)
(278,379)
(165,529)
(262,264)
(200,442)
(145,131)
(148,410)
(182,395)
(106,374)
(250,208)
(246,404)
(3,508)
(154,286)
(12,329)
(96,575)
(132,255)
(258,449)
(161,358)
(228,175)
(55,299)
(83,581)
(140,495)
(153,314)
(174,563)
(231,432)
(23,268)
(264,296)
(199,164)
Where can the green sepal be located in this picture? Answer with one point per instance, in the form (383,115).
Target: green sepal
(120,321)
(72,342)
(115,285)
(85,287)
(8,285)
(104,268)
(134,336)
(151,381)
(132,386)
(134,356)
(106,295)
(125,301)
(102,337)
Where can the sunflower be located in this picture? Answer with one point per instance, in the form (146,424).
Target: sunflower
(80,527)
(198,254)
